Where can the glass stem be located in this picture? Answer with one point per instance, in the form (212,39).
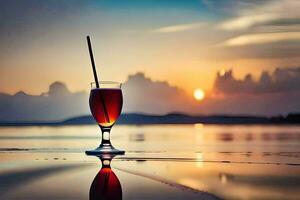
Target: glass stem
(105,137)
(105,163)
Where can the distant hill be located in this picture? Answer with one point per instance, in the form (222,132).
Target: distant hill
(172,118)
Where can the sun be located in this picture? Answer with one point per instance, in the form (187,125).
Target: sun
(199,94)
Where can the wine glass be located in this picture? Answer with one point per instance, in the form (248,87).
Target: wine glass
(105,104)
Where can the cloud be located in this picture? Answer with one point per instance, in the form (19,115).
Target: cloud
(263,23)
(141,94)
(246,21)
(258,30)
(262,38)
(279,12)
(282,80)
(179,28)
(271,94)
(265,104)
(56,104)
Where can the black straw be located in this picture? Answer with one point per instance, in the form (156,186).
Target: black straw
(96,78)
(92,61)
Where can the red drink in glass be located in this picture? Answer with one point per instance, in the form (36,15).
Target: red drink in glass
(106,105)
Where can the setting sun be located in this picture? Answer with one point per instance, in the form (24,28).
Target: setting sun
(199,94)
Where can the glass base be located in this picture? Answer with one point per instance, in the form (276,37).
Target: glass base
(105,150)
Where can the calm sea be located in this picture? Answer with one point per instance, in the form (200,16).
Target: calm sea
(232,162)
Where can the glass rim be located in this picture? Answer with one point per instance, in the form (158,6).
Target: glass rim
(107,82)
(113,84)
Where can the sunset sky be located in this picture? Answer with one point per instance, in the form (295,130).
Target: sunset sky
(182,42)
(185,43)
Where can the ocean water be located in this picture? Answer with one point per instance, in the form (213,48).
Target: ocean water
(226,162)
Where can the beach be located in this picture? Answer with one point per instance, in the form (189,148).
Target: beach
(161,162)
(150,100)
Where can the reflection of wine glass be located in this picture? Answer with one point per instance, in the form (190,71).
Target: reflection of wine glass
(106,184)
(106,105)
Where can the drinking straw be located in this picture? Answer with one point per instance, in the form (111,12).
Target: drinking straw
(96,78)
(92,61)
